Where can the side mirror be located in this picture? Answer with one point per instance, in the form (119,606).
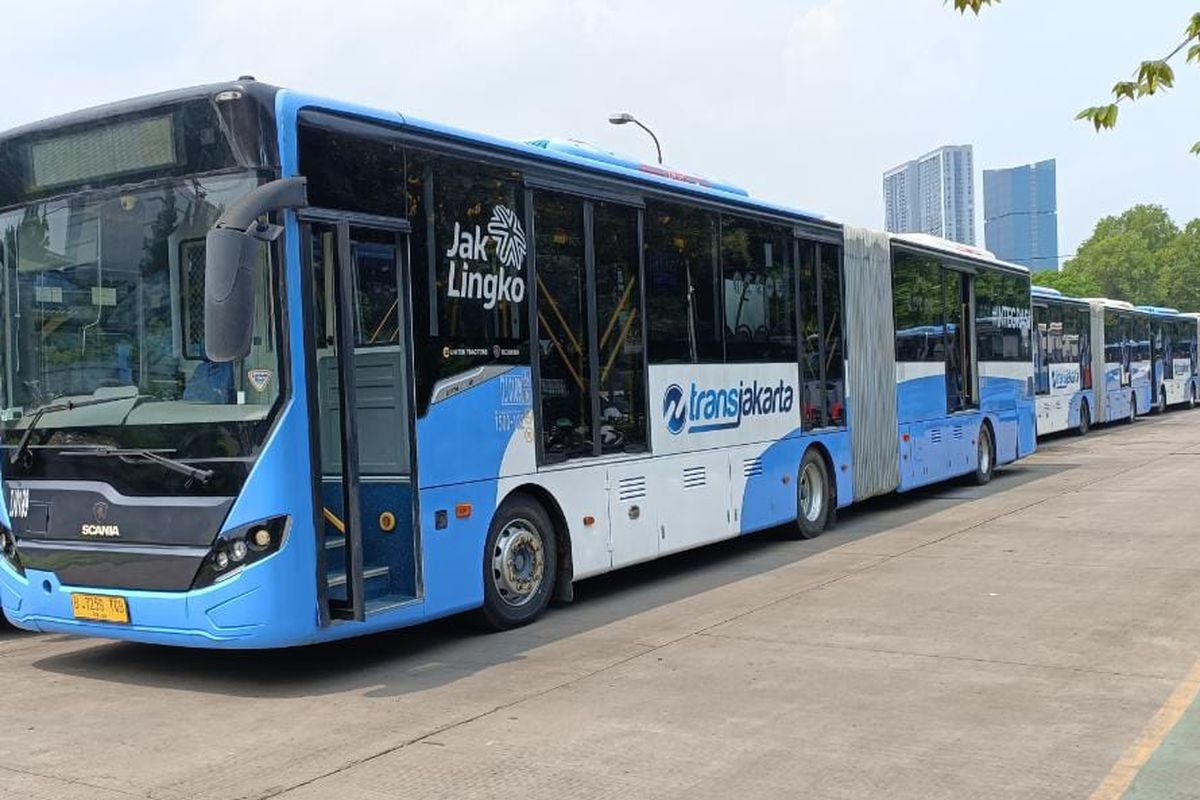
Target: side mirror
(231,260)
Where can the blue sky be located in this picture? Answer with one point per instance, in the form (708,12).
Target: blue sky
(805,102)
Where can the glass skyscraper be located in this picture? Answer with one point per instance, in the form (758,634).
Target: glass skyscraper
(1020,214)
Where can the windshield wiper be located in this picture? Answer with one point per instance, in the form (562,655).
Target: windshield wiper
(70,405)
(127,453)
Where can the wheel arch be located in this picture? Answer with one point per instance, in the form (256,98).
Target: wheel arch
(827,458)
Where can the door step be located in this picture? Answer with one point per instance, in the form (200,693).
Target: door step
(339,578)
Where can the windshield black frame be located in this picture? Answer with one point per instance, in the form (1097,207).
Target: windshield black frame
(228,447)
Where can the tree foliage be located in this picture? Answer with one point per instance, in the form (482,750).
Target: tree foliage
(1151,77)
(1141,256)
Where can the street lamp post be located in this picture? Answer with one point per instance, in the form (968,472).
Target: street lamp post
(623,117)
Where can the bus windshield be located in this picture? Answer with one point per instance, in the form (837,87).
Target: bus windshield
(103,296)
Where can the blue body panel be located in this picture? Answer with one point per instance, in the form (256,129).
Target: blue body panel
(768,502)
(936,446)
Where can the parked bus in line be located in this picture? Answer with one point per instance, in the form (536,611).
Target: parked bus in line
(282,370)
(1062,362)
(1173,338)
(1121,355)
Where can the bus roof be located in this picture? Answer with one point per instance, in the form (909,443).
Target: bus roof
(585,150)
(1159,311)
(1110,303)
(929,242)
(1047,293)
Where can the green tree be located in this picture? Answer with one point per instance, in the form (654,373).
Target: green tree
(1151,77)
(1179,280)
(1140,256)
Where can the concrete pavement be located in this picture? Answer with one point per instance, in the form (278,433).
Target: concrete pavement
(1019,640)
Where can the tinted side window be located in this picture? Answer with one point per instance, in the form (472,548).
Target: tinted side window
(1085,346)
(562,331)
(832,344)
(682,277)
(917,296)
(1002,323)
(1041,363)
(759,291)
(621,382)
(468,251)
(812,406)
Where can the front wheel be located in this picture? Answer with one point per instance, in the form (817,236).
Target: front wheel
(1085,420)
(985,460)
(1162,401)
(1132,409)
(813,496)
(520,562)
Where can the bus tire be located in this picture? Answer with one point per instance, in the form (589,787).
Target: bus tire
(1161,408)
(1085,420)
(813,496)
(520,563)
(1192,397)
(985,456)
(1132,409)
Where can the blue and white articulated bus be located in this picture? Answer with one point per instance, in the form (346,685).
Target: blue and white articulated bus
(1173,338)
(1062,362)
(281,370)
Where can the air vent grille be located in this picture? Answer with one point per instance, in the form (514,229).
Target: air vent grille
(695,477)
(631,488)
(752,467)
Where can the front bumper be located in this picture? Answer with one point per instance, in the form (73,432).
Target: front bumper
(248,610)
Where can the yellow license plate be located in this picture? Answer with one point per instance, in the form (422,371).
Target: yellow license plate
(100,608)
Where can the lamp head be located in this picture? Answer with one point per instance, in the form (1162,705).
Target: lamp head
(620,119)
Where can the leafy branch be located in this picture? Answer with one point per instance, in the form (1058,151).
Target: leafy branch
(1151,77)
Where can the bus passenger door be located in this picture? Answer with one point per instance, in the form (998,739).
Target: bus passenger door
(359,366)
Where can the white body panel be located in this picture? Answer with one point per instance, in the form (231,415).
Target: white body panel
(1053,413)
(721,405)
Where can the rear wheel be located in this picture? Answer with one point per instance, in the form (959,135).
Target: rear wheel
(520,564)
(985,459)
(1162,401)
(1192,397)
(1085,419)
(813,496)
(1132,409)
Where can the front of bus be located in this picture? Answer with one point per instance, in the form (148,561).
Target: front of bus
(150,492)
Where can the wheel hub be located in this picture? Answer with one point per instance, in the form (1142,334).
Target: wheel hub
(812,492)
(518,563)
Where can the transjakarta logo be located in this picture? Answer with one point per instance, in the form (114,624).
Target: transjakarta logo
(505,234)
(703,410)
(1064,376)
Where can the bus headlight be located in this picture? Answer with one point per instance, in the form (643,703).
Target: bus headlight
(240,547)
(8,549)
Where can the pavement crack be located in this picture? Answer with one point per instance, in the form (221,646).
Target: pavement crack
(71,781)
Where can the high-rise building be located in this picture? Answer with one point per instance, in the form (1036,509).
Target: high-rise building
(1020,214)
(933,194)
